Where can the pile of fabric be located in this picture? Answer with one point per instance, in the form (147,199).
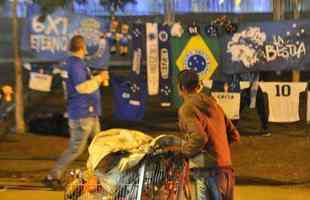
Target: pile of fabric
(122,162)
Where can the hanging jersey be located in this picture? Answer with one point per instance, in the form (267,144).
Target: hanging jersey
(40,78)
(207,83)
(283,100)
(244,85)
(40,82)
(230,102)
(128,98)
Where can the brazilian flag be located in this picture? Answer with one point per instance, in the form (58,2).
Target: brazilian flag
(199,53)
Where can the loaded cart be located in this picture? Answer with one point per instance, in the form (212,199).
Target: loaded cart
(130,169)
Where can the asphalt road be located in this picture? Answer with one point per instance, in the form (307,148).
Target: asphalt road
(241,193)
(30,195)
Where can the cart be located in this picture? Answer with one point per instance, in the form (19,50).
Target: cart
(156,177)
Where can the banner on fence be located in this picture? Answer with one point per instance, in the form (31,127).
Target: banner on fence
(49,39)
(267,46)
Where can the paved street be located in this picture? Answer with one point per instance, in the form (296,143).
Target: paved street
(242,193)
(22,162)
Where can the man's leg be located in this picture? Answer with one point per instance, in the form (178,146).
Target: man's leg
(213,191)
(225,180)
(261,109)
(80,130)
(245,101)
(97,127)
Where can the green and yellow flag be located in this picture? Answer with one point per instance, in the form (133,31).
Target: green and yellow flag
(198,53)
(197,56)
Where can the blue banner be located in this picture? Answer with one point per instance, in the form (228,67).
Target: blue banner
(49,40)
(267,46)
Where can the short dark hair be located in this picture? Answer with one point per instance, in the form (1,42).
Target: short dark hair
(77,43)
(188,80)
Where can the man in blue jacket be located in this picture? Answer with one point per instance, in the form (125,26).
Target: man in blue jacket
(83,106)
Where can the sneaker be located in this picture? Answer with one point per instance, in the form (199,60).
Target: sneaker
(265,133)
(268,134)
(52,183)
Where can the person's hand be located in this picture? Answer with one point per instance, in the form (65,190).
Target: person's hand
(171,149)
(104,76)
(7,92)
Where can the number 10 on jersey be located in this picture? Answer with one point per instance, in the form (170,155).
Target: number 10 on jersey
(283,90)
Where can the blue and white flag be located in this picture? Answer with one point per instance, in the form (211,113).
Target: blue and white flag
(267,46)
(49,40)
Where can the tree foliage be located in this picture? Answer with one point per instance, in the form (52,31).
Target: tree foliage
(49,6)
(113,5)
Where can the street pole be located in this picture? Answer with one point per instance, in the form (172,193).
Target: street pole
(278,9)
(169,12)
(19,96)
(296,13)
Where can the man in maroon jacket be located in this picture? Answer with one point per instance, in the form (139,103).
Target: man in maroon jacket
(207,132)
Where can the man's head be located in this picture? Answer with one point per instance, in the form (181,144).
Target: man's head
(188,82)
(77,45)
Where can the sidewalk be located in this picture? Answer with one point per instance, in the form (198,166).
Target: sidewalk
(277,160)
(259,160)
(241,193)
(30,195)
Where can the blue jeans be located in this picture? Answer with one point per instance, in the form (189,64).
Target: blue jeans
(80,131)
(207,188)
(213,188)
(218,186)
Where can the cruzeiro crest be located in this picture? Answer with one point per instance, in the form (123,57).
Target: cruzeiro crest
(163,36)
(198,61)
(197,56)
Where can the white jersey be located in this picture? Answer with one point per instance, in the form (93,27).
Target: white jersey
(207,83)
(230,102)
(40,82)
(244,85)
(283,100)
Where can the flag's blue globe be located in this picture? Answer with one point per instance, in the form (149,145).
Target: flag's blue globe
(197,62)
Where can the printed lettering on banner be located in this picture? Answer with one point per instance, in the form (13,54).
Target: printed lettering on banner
(230,103)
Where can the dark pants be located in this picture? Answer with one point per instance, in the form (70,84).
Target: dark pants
(260,106)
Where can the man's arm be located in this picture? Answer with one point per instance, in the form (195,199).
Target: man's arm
(84,85)
(89,86)
(196,136)
(232,132)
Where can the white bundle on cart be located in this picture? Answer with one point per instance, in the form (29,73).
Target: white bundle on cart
(122,166)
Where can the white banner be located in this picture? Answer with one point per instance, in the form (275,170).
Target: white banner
(40,82)
(230,102)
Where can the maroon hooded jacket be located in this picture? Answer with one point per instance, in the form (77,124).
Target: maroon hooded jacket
(206,129)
